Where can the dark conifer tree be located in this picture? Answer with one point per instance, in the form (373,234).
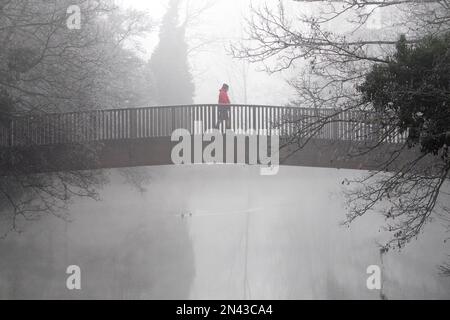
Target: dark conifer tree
(169,62)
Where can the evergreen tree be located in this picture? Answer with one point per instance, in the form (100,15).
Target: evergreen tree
(169,63)
(413,90)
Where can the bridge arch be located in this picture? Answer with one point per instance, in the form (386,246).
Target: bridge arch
(141,136)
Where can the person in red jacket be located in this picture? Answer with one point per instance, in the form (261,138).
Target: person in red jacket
(223,95)
(224,108)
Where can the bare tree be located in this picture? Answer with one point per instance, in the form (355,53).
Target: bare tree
(333,52)
(46,67)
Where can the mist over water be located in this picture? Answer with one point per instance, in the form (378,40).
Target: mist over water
(218,232)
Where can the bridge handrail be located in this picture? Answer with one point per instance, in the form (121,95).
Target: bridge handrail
(160,121)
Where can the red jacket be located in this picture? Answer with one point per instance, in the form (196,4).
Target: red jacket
(223,97)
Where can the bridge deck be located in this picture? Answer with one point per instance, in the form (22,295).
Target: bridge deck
(141,136)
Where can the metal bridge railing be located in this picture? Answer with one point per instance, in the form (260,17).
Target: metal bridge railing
(148,122)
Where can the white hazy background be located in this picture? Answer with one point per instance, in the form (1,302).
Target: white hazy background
(210,34)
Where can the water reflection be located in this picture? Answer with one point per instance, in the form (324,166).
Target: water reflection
(207,232)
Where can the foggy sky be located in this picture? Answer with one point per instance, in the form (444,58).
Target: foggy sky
(211,64)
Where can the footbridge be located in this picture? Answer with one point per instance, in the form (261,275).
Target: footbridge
(130,137)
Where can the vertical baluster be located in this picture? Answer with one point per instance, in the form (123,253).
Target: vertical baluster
(143,115)
(96,124)
(117,122)
(246,118)
(63,128)
(161,113)
(90,125)
(44,135)
(41,131)
(80,126)
(178,118)
(238,118)
(71,121)
(111,118)
(167,120)
(39,125)
(155,120)
(55,126)
(153,116)
(107,125)
(275,118)
(202,119)
(70,126)
(137,113)
(160,121)
(187,118)
(99,125)
(247,121)
(121,115)
(253,118)
(191,119)
(124,123)
(266,119)
(335,132)
(128,114)
(346,117)
(150,123)
(102,125)
(120,124)
(138,123)
(124,120)
(148,120)
(350,125)
(110,130)
(211,116)
(181,111)
(206,118)
(133,123)
(258,119)
(195,118)
(85,126)
(103,121)
(200,114)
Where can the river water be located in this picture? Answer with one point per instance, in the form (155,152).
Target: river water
(218,232)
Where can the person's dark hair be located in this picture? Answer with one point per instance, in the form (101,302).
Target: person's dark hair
(225,86)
